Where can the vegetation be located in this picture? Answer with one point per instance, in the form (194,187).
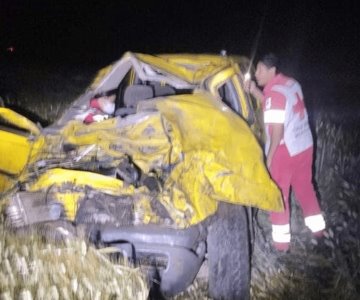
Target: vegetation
(32,268)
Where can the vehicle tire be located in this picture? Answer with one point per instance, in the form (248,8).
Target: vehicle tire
(228,253)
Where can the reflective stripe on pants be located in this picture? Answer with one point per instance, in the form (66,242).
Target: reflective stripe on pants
(296,172)
(315,223)
(281,233)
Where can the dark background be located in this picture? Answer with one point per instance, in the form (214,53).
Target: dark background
(317,41)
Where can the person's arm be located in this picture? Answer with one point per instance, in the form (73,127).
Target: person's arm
(275,138)
(274,117)
(250,87)
(257,93)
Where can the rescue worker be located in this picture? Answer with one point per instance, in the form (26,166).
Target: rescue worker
(289,147)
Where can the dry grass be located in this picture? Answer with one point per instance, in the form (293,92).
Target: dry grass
(31,268)
(42,93)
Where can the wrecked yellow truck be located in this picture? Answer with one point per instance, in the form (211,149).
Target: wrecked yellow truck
(164,178)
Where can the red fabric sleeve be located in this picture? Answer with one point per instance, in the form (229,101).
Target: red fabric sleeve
(275,100)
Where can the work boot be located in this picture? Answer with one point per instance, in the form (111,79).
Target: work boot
(322,243)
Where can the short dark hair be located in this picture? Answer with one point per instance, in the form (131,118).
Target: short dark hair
(270,60)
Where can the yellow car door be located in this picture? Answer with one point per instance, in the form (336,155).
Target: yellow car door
(227,85)
(20,141)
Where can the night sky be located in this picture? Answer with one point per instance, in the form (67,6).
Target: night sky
(312,37)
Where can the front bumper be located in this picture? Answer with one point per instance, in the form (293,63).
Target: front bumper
(180,251)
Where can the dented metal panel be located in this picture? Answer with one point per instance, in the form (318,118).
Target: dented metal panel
(222,160)
(20,141)
(9,116)
(212,154)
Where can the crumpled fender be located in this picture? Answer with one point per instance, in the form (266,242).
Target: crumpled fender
(70,189)
(20,143)
(212,153)
(19,121)
(222,160)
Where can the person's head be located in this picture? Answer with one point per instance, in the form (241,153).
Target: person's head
(266,69)
(104,101)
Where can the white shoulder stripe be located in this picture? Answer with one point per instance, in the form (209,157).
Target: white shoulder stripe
(274,116)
